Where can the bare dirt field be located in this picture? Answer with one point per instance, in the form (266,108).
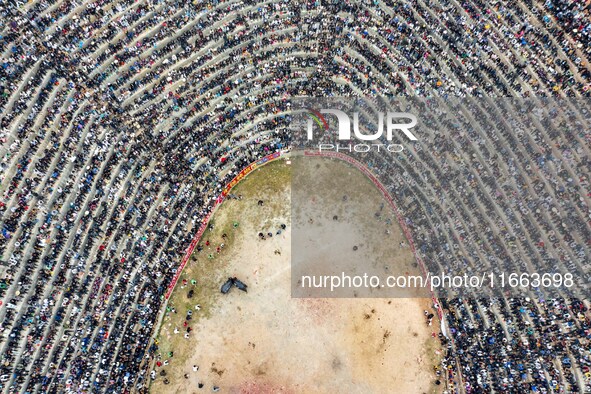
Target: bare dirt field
(265,341)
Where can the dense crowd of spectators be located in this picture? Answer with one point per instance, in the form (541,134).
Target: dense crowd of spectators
(504,189)
(122,120)
(493,187)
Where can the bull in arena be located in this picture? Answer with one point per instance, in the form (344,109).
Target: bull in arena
(240,285)
(227,286)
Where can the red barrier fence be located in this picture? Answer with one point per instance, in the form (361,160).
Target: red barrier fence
(244,172)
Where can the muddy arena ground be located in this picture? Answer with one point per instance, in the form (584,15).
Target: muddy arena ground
(265,341)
